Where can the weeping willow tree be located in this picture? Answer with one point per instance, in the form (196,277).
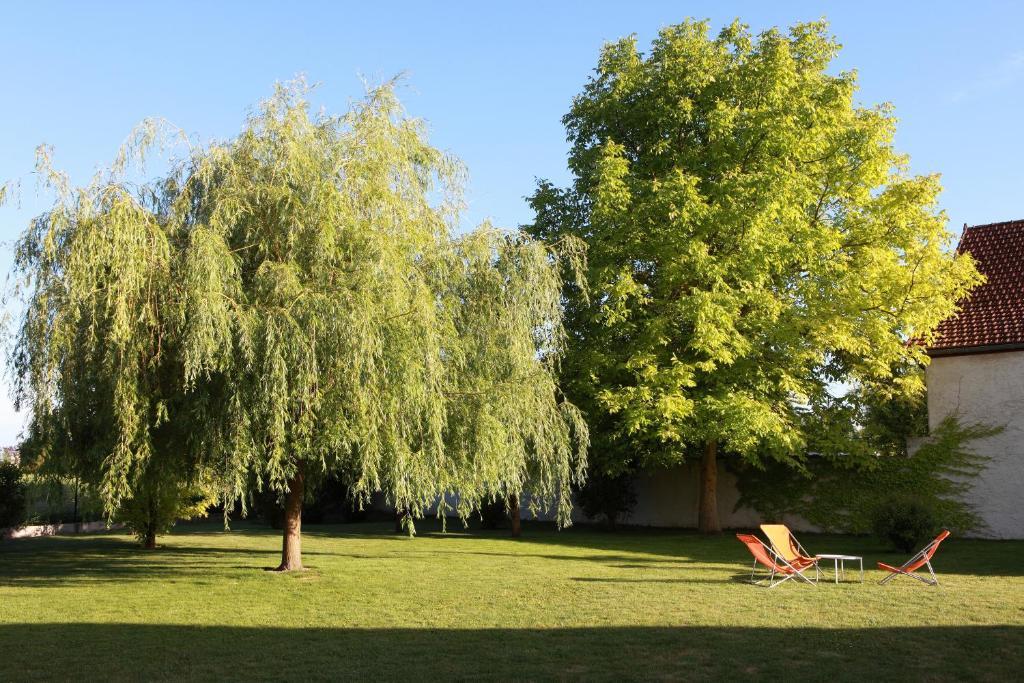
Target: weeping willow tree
(295,301)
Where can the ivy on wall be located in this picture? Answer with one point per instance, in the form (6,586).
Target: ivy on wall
(837,497)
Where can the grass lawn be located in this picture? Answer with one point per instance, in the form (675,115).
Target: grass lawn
(571,604)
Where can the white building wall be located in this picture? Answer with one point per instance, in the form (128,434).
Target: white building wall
(987,388)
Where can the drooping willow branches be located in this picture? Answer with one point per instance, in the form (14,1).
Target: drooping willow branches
(295,300)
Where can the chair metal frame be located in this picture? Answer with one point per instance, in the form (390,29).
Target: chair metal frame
(799,549)
(778,560)
(925,554)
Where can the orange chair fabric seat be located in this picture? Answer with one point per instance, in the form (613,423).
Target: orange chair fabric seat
(921,559)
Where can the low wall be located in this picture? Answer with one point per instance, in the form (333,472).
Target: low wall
(56,529)
(669,497)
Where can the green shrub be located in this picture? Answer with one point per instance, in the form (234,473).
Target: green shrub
(493,515)
(330,500)
(906,523)
(607,497)
(12,496)
(265,506)
(843,494)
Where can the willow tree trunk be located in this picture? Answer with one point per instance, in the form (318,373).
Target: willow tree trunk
(517,522)
(150,525)
(707,512)
(149,538)
(291,549)
(78,525)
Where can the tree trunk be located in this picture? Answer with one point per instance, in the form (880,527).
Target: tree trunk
(707,514)
(151,525)
(517,523)
(291,550)
(78,526)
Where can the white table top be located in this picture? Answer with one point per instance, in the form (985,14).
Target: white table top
(839,557)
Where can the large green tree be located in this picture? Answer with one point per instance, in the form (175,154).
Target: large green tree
(295,301)
(754,240)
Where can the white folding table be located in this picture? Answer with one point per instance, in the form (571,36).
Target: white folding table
(839,562)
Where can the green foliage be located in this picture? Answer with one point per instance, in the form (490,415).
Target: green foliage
(12,496)
(906,523)
(607,497)
(293,296)
(754,239)
(162,498)
(838,495)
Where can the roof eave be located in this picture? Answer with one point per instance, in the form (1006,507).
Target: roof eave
(971,350)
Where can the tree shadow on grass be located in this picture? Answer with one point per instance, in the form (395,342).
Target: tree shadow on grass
(112,558)
(707,582)
(178,652)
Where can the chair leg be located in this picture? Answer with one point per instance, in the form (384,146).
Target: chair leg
(922,579)
(806,579)
(772,583)
(758,582)
(935,579)
(928,582)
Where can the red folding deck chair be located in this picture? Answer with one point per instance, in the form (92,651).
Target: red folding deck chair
(775,563)
(922,559)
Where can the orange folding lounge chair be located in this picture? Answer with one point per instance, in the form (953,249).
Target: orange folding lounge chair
(773,562)
(922,559)
(785,544)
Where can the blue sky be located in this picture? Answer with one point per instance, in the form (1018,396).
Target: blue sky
(492,81)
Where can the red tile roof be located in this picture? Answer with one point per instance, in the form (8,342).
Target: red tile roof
(993,315)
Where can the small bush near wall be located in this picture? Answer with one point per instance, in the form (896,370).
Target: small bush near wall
(494,515)
(606,497)
(906,523)
(849,499)
(12,496)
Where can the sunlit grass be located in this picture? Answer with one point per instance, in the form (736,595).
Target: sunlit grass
(577,604)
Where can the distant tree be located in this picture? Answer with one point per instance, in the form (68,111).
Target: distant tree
(12,495)
(161,498)
(755,243)
(74,440)
(292,302)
